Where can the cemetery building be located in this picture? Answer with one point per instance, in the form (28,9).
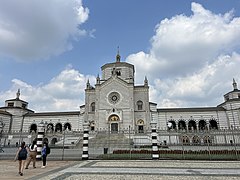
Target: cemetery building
(115,104)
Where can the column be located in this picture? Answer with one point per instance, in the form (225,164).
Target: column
(40,140)
(155,153)
(85,141)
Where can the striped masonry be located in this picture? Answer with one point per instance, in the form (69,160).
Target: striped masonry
(85,143)
(155,153)
(40,140)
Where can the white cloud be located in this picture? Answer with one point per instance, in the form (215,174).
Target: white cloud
(64,92)
(192,59)
(31,29)
(191,62)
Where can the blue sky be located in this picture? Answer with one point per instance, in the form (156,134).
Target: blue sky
(189,50)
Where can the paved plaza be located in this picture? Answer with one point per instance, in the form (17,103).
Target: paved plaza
(118,169)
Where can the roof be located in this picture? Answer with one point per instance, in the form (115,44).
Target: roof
(4,112)
(17,108)
(16,99)
(117,64)
(55,113)
(197,109)
(230,100)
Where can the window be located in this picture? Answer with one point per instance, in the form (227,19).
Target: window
(139,105)
(93,107)
(10,104)
(118,73)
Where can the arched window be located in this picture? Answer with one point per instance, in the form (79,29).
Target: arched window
(54,140)
(181,125)
(67,126)
(172,125)
(202,125)
(213,125)
(50,128)
(192,126)
(207,140)
(33,128)
(185,140)
(139,105)
(93,107)
(58,127)
(196,140)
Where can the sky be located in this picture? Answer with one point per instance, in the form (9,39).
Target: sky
(188,50)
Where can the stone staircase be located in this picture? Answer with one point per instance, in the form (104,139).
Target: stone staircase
(111,140)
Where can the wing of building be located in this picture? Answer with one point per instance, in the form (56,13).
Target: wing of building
(115,104)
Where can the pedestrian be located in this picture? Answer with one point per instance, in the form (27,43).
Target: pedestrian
(21,155)
(45,152)
(32,154)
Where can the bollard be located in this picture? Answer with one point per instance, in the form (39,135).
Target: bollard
(85,141)
(155,153)
(40,140)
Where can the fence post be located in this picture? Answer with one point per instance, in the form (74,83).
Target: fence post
(40,140)
(85,141)
(155,153)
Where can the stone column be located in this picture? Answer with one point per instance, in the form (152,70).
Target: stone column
(40,140)
(155,153)
(85,141)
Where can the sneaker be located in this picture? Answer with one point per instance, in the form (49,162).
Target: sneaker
(21,174)
(43,166)
(26,167)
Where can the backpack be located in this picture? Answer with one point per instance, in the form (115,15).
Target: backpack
(22,153)
(48,150)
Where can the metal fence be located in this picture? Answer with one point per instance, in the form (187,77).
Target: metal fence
(204,145)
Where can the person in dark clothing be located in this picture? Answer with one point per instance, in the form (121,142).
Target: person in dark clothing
(44,154)
(21,155)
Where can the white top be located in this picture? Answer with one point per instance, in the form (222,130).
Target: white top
(34,148)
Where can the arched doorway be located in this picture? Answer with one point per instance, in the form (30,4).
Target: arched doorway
(50,128)
(67,126)
(140,124)
(58,127)
(113,120)
(172,125)
(181,125)
(33,128)
(53,141)
(45,140)
(114,127)
(202,125)
(213,125)
(192,126)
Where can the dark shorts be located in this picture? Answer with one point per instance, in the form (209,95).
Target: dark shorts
(20,159)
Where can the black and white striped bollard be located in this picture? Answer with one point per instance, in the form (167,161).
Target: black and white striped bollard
(155,153)
(85,141)
(40,140)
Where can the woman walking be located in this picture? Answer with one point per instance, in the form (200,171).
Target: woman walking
(32,154)
(21,155)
